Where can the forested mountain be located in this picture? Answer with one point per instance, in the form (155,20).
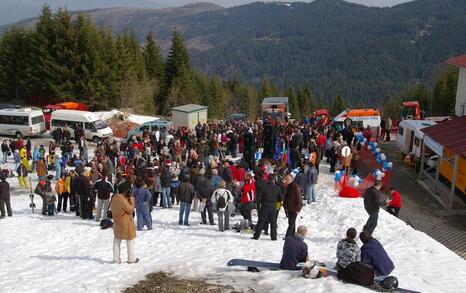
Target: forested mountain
(334,47)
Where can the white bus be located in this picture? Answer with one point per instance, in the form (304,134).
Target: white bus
(94,128)
(23,122)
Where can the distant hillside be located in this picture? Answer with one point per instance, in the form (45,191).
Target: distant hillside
(333,46)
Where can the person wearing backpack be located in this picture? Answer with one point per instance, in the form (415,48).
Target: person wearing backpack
(222,197)
(311,180)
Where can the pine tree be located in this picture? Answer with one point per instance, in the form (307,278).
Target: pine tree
(15,51)
(338,105)
(42,62)
(153,59)
(295,108)
(306,101)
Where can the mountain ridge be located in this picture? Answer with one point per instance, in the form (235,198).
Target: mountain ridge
(335,47)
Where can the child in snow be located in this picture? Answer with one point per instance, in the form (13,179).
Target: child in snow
(348,250)
(50,200)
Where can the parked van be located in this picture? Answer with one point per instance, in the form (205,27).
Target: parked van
(359,117)
(150,127)
(410,137)
(22,122)
(94,128)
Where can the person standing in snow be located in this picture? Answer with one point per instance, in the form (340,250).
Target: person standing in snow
(186,195)
(222,198)
(270,195)
(372,203)
(348,250)
(248,197)
(295,250)
(5,151)
(22,176)
(394,203)
(142,197)
(311,181)
(292,203)
(122,207)
(373,254)
(4,197)
(83,189)
(104,190)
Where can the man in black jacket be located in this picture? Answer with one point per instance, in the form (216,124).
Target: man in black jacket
(372,203)
(4,196)
(103,189)
(204,189)
(83,189)
(186,194)
(270,195)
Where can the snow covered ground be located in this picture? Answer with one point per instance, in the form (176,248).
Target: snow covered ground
(66,254)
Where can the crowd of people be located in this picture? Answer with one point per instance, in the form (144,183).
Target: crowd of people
(198,170)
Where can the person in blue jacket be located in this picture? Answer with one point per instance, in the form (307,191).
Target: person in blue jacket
(295,250)
(57,163)
(143,197)
(373,254)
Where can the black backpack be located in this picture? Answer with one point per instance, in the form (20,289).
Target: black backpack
(357,273)
(221,202)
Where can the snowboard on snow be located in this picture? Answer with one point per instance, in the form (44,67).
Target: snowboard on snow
(252,265)
(256,266)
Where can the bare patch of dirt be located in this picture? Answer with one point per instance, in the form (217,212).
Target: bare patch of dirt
(164,283)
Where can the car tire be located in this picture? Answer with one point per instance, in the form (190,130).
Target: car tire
(95,139)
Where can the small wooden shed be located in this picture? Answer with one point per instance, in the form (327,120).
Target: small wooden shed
(189,115)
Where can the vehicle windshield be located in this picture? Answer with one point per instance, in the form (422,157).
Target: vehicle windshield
(37,119)
(276,116)
(99,124)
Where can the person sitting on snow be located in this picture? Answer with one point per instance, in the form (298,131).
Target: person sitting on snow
(295,250)
(348,250)
(373,254)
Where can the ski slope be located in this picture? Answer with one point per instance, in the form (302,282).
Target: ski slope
(66,254)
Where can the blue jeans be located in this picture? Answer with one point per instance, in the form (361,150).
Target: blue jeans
(57,173)
(166,199)
(5,157)
(310,193)
(185,209)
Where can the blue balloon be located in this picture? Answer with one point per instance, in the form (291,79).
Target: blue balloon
(337,177)
(379,160)
(343,172)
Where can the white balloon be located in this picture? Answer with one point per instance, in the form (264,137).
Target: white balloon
(337,172)
(379,178)
(378,173)
(382,174)
(377,150)
(383,157)
(356,184)
(375,144)
(369,147)
(390,165)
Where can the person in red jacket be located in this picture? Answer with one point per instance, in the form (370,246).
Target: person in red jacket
(248,197)
(394,203)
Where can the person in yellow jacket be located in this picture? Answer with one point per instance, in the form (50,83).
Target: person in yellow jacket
(60,188)
(24,158)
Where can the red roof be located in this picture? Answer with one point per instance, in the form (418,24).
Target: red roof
(457,61)
(450,134)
